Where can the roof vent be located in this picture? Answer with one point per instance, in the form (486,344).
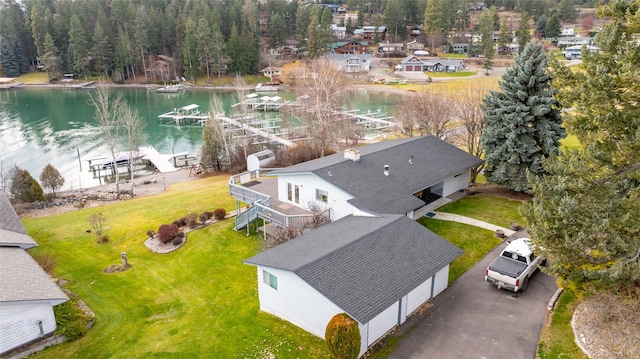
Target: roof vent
(352,154)
(386,170)
(410,160)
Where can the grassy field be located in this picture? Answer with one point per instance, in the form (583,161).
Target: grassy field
(451,74)
(199,301)
(34,78)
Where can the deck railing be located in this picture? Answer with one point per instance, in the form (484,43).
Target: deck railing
(260,205)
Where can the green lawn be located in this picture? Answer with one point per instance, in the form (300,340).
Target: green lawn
(557,340)
(475,242)
(34,78)
(494,210)
(199,301)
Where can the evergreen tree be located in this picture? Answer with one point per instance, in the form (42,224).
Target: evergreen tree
(433,21)
(394,19)
(523,123)
(51,58)
(585,214)
(541,25)
(486,31)
(523,32)
(101,50)
(315,44)
(205,45)
(503,38)
(303,19)
(218,47)
(189,49)
(276,28)
(24,187)
(235,50)
(10,65)
(78,40)
(552,30)
(567,11)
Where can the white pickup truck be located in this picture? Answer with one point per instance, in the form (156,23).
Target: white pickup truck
(513,268)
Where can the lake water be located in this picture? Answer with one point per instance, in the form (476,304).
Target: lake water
(55,125)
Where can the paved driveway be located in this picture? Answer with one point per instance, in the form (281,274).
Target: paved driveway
(473,319)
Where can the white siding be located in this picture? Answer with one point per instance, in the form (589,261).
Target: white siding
(337,200)
(418,296)
(19,323)
(441,280)
(382,323)
(455,184)
(296,301)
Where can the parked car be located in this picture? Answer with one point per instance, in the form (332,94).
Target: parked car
(514,266)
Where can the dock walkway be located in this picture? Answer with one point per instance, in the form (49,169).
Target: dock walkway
(160,161)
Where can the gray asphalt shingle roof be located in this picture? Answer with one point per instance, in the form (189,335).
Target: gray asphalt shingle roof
(12,232)
(22,279)
(432,161)
(363,264)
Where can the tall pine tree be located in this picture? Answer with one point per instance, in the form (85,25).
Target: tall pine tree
(523,123)
(585,215)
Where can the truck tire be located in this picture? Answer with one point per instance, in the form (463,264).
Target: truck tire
(525,284)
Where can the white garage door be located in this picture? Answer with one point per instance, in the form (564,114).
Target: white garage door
(382,323)
(418,296)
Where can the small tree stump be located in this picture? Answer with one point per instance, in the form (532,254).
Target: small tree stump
(125,261)
(514,226)
(499,234)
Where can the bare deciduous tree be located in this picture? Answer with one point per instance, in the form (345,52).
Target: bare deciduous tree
(97,222)
(133,126)
(323,86)
(107,110)
(428,114)
(471,119)
(215,152)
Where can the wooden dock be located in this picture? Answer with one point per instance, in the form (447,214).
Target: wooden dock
(257,131)
(82,86)
(253,101)
(162,162)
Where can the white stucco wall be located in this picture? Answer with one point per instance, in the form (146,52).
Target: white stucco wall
(337,199)
(455,184)
(19,323)
(295,301)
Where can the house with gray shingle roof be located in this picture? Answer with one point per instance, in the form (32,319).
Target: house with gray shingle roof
(378,270)
(27,294)
(372,261)
(407,176)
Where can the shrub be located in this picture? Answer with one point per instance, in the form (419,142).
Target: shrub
(167,232)
(151,233)
(183,221)
(209,214)
(71,321)
(203,217)
(102,239)
(343,337)
(219,214)
(177,241)
(191,220)
(45,260)
(180,234)
(24,187)
(176,222)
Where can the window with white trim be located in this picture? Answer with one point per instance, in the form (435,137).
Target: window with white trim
(293,192)
(270,279)
(322,195)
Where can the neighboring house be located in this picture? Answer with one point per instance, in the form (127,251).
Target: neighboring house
(353,15)
(443,65)
(378,270)
(351,63)
(457,48)
(415,32)
(413,63)
(342,9)
(369,32)
(390,47)
(574,41)
(507,49)
(27,294)
(160,68)
(350,47)
(270,72)
(339,31)
(288,49)
(414,45)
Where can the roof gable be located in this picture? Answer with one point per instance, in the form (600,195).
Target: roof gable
(361,263)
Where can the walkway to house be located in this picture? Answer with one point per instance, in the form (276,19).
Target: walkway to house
(466,220)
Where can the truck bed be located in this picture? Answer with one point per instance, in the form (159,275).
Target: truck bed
(508,267)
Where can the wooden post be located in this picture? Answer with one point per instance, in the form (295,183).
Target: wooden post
(125,262)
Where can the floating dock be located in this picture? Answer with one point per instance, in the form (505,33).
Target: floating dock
(189,114)
(256,102)
(162,162)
